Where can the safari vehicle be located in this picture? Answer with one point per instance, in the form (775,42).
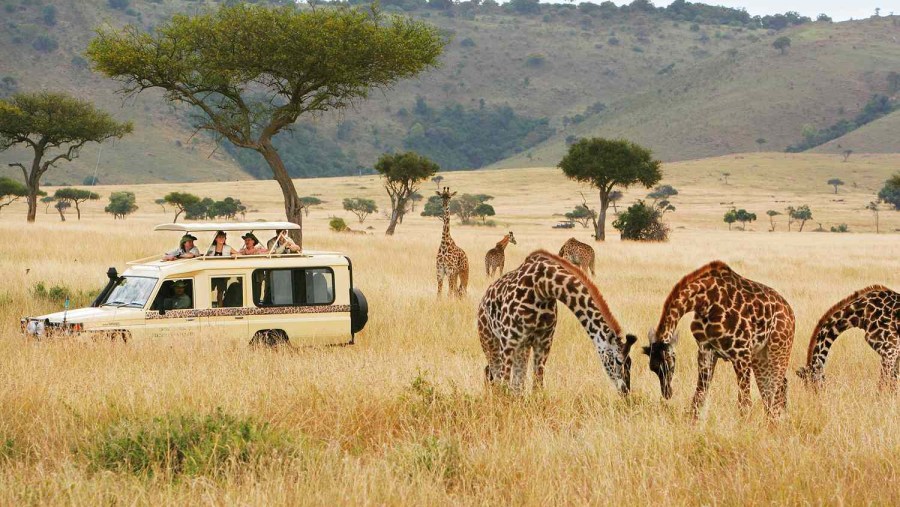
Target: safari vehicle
(304,298)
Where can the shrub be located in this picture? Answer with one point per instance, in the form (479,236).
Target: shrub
(840,228)
(48,14)
(890,193)
(612,41)
(45,44)
(119,4)
(467,43)
(184,445)
(535,60)
(642,222)
(337,224)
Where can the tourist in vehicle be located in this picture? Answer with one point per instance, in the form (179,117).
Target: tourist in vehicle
(251,245)
(282,243)
(185,250)
(180,300)
(220,248)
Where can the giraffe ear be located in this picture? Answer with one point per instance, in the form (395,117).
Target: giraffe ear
(646,350)
(629,341)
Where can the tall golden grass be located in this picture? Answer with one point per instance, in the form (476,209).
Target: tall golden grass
(402,416)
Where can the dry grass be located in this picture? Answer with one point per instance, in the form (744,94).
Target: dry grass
(402,417)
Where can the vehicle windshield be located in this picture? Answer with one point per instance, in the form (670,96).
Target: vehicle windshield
(131,291)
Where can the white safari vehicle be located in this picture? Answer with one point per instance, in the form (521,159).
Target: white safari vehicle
(304,298)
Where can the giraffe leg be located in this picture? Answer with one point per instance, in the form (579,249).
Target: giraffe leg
(519,368)
(743,371)
(772,384)
(451,285)
(706,367)
(463,282)
(440,282)
(890,364)
(500,267)
(541,353)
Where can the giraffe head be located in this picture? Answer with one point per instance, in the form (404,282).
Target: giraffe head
(446,195)
(512,239)
(617,363)
(662,362)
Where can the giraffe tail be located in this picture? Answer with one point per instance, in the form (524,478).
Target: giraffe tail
(463,282)
(591,265)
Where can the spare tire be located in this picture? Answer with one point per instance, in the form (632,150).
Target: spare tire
(359,310)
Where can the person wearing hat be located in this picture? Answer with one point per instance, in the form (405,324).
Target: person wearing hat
(179,300)
(281,243)
(251,245)
(220,248)
(185,250)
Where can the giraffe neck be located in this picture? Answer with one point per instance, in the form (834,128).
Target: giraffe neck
(445,235)
(561,285)
(501,245)
(826,334)
(681,301)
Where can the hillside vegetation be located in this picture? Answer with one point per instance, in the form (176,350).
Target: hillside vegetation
(687,85)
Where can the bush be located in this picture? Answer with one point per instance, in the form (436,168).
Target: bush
(890,193)
(48,14)
(535,60)
(184,445)
(642,222)
(119,4)
(467,43)
(337,224)
(840,228)
(612,41)
(45,44)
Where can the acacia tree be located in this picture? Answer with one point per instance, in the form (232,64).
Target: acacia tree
(835,182)
(800,214)
(182,201)
(772,214)
(614,197)
(252,70)
(360,207)
(121,204)
(846,154)
(402,173)
(581,214)
(873,207)
(782,44)
(47,201)
(465,205)
(62,207)
(890,192)
(308,202)
(75,196)
(55,126)
(10,191)
(606,164)
(161,202)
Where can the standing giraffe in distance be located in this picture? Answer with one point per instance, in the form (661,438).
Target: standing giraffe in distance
(579,254)
(495,258)
(517,316)
(735,319)
(452,262)
(875,310)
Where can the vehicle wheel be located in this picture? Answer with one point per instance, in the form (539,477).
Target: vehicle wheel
(269,338)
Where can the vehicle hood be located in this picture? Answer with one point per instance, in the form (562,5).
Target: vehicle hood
(81,314)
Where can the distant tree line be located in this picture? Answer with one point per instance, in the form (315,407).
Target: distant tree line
(877,107)
(459,138)
(679,10)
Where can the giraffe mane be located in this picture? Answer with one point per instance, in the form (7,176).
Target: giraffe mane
(685,281)
(592,289)
(834,309)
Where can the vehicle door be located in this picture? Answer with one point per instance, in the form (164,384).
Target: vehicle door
(301,302)
(227,318)
(172,314)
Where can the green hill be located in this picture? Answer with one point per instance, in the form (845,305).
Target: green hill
(881,136)
(686,89)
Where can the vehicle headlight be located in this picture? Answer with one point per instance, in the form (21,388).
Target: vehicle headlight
(36,327)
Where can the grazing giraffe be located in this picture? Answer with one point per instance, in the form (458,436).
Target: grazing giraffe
(875,310)
(495,258)
(451,260)
(517,315)
(735,319)
(579,254)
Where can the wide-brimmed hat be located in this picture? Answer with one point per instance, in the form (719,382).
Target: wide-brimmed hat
(186,238)
(220,233)
(250,235)
(180,283)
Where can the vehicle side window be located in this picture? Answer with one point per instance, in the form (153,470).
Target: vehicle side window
(227,291)
(175,294)
(293,287)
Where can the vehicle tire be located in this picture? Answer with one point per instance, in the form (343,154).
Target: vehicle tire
(359,310)
(269,338)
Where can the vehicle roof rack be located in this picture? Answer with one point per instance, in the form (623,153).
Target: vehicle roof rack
(227,226)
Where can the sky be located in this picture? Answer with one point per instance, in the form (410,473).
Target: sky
(840,10)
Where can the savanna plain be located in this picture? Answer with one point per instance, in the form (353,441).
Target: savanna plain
(402,416)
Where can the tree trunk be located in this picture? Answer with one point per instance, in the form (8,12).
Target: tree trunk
(395,217)
(293,209)
(600,232)
(32,203)
(77,210)
(62,216)
(801,225)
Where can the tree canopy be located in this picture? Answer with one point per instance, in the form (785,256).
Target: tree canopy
(55,126)
(252,70)
(402,173)
(181,201)
(10,191)
(121,204)
(606,164)
(360,207)
(890,193)
(76,196)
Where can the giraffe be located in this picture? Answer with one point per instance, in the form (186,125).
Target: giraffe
(517,315)
(451,260)
(579,254)
(496,257)
(875,310)
(735,319)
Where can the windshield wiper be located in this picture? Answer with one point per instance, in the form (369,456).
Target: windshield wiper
(135,303)
(114,303)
